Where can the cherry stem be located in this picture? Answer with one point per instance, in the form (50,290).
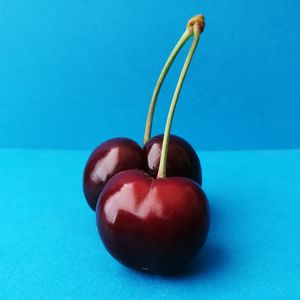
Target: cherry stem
(197,23)
(184,38)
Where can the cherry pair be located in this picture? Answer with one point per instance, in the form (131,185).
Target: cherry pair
(146,220)
(121,154)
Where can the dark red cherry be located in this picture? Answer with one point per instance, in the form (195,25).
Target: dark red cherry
(155,225)
(108,159)
(182,159)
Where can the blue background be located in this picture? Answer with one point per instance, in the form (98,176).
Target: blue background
(74,73)
(50,249)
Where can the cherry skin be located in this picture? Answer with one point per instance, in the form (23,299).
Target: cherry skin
(108,159)
(182,159)
(154,225)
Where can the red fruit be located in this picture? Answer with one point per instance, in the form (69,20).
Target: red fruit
(108,159)
(155,225)
(182,160)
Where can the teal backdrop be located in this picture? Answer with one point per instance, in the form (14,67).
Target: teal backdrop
(75,73)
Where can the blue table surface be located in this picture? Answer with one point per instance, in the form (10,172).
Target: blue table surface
(49,246)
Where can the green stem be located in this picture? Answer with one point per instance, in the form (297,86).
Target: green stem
(163,159)
(184,38)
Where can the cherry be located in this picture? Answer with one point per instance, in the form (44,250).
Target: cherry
(109,158)
(155,224)
(182,158)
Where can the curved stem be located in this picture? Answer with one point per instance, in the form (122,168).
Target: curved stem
(184,38)
(163,159)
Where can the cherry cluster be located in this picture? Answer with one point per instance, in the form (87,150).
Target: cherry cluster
(151,211)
